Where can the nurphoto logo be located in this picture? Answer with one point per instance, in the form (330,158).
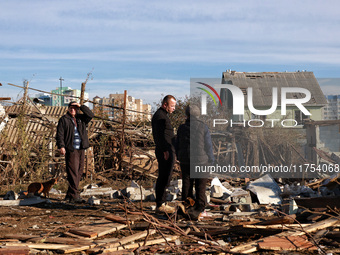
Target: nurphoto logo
(238,99)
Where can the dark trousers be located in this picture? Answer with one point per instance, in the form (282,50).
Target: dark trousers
(74,169)
(187,183)
(187,188)
(165,168)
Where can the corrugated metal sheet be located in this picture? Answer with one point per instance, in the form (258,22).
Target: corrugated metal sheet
(262,84)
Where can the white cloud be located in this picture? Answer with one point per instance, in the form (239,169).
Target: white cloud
(59,38)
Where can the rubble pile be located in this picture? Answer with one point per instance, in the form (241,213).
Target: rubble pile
(242,216)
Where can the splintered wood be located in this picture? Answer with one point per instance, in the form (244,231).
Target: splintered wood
(133,229)
(254,245)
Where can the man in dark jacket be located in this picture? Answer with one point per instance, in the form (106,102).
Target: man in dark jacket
(72,140)
(163,135)
(194,145)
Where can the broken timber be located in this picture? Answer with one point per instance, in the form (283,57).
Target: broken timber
(98,229)
(253,246)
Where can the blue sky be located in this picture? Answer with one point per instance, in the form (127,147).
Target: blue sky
(152,48)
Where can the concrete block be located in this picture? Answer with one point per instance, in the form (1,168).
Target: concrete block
(97,191)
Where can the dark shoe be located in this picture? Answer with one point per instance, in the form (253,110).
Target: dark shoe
(193,213)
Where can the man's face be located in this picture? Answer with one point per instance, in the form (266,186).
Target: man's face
(170,106)
(73,110)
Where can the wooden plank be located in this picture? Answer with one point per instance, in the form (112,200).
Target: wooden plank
(253,245)
(131,238)
(20,236)
(286,243)
(40,246)
(136,245)
(22,250)
(122,241)
(61,240)
(72,249)
(83,231)
(118,219)
(286,219)
(277,226)
(76,236)
(99,229)
(59,247)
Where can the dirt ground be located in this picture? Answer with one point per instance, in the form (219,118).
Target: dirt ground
(58,215)
(53,218)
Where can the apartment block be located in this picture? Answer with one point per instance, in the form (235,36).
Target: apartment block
(64,96)
(135,109)
(332,110)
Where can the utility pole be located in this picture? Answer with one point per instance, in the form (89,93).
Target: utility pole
(82,92)
(123,130)
(61,90)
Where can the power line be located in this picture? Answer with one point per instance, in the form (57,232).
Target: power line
(93,102)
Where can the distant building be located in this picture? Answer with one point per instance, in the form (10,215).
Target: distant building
(332,110)
(69,95)
(102,107)
(135,107)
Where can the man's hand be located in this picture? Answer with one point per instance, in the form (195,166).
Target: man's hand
(62,151)
(76,104)
(166,155)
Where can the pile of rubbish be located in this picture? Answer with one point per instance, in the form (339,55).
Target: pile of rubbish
(242,216)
